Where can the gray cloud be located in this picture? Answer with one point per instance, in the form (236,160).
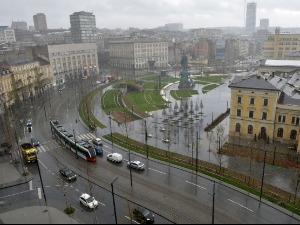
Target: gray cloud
(149,14)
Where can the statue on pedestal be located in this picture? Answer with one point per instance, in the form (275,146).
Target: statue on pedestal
(185,79)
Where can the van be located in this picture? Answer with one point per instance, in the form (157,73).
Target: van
(115,157)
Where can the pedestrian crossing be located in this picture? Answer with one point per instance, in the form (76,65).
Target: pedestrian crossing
(51,145)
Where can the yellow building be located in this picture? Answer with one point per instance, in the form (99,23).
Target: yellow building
(266,107)
(280,46)
(23,79)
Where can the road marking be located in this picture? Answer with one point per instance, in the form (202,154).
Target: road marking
(15,194)
(102,203)
(195,185)
(157,171)
(131,220)
(39,193)
(43,164)
(30,185)
(240,205)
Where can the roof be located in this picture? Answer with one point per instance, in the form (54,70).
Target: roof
(253,82)
(283,63)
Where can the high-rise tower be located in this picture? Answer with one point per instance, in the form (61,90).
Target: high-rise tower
(83,27)
(40,22)
(251,18)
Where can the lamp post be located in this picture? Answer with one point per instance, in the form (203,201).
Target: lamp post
(263,176)
(111,136)
(113,195)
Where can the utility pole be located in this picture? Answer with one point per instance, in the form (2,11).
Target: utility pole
(146,139)
(213,206)
(113,195)
(75,144)
(197,148)
(38,166)
(263,176)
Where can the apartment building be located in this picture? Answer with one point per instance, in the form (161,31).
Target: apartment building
(70,61)
(278,46)
(129,56)
(7,35)
(23,79)
(266,107)
(40,22)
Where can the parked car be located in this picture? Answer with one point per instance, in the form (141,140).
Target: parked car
(162,129)
(143,216)
(136,165)
(97,141)
(115,157)
(166,140)
(149,135)
(35,142)
(68,173)
(88,201)
(29,123)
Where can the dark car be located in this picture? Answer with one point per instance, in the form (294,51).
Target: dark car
(35,142)
(143,216)
(68,173)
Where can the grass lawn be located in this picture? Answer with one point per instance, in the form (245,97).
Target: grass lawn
(177,94)
(109,100)
(211,79)
(146,101)
(209,88)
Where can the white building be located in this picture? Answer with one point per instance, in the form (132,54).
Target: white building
(7,35)
(128,57)
(70,61)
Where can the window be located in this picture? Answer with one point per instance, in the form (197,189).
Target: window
(266,102)
(280,133)
(251,114)
(239,112)
(238,127)
(250,129)
(293,120)
(293,135)
(264,116)
(239,99)
(252,101)
(281,119)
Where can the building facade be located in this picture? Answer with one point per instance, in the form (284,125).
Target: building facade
(128,57)
(264,24)
(23,79)
(70,61)
(251,18)
(7,35)
(20,25)
(277,46)
(40,22)
(83,27)
(266,107)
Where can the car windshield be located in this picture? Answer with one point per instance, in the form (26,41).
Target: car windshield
(90,199)
(68,172)
(146,212)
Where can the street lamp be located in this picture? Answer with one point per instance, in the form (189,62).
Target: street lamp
(111,136)
(113,195)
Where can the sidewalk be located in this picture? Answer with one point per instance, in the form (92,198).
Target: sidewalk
(11,175)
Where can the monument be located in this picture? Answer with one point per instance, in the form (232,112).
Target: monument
(185,78)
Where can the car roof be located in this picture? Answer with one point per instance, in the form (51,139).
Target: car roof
(98,139)
(85,195)
(137,162)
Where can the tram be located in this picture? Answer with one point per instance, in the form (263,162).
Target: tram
(87,153)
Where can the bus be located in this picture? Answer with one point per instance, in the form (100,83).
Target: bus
(87,153)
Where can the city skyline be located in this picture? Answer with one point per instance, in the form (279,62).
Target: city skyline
(135,13)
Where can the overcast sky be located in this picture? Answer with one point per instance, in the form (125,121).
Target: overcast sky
(151,13)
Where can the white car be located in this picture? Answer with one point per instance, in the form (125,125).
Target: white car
(149,135)
(88,201)
(115,157)
(162,129)
(97,141)
(166,140)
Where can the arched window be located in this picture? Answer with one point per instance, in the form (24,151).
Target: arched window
(280,133)
(238,127)
(293,135)
(250,129)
